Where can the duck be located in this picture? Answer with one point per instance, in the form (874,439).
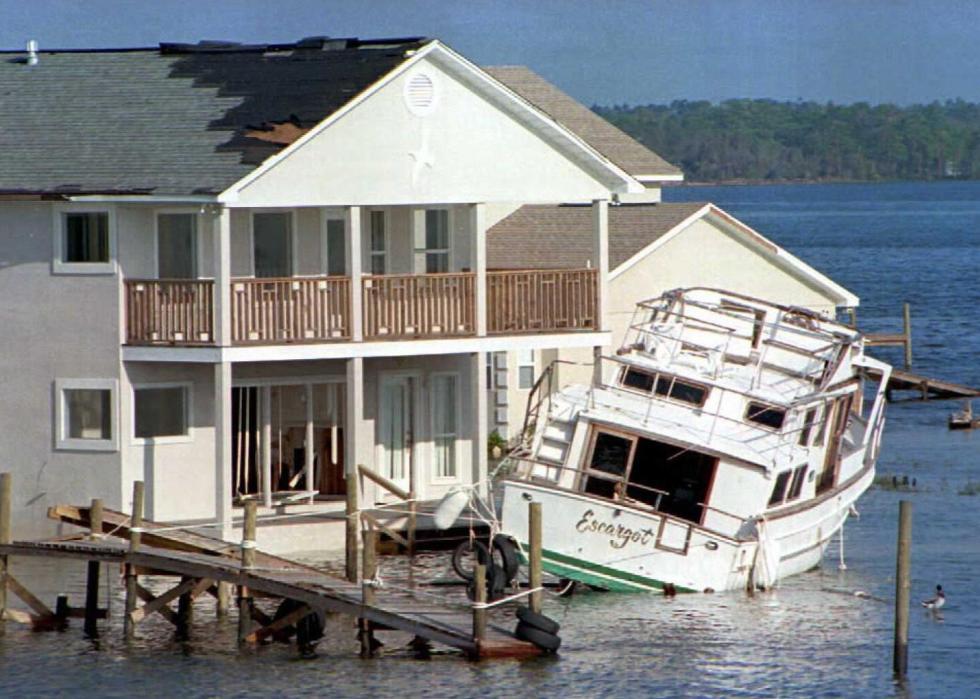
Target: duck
(936,602)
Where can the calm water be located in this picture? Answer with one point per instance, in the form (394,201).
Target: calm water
(811,638)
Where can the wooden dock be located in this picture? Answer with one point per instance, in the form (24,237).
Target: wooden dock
(924,388)
(205,565)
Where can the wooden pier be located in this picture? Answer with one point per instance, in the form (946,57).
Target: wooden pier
(924,388)
(206,565)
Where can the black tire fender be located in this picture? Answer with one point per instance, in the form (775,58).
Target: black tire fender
(508,556)
(545,641)
(538,621)
(482,555)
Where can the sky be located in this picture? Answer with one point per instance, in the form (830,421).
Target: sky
(601,52)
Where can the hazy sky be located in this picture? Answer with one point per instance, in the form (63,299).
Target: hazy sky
(628,51)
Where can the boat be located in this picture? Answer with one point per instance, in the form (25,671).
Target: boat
(722,447)
(964,419)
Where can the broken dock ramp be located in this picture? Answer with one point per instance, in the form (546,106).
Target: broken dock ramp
(905,386)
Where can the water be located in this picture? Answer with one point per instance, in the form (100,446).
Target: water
(810,638)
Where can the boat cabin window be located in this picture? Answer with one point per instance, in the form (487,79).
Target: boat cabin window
(808,422)
(765,415)
(797,486)
(671,479)
(779,489)
(664,385)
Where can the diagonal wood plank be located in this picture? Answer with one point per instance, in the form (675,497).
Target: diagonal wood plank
(278,624)
(137,615)
(147,596)
(27,596)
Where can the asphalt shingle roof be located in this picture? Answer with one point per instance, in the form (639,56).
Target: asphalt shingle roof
(172,120)
(622,149)
(560,237)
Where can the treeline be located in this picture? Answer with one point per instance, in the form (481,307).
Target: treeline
(752,139)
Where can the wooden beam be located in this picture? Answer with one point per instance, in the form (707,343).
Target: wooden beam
(27,597)
(166,612)
(387,530)
(153,605)
(277,625)
(388,485)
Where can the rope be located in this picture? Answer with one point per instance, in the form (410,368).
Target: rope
(505,600)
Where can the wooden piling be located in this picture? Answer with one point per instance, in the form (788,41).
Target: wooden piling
(907,317)
(353,519)
(479,599)
(61,612)
(91,628)
(223,599)
(184,612)
(245,601)
(368,592)
(903,586)
(412,517)
(6,500)
(534,555)
(135,539)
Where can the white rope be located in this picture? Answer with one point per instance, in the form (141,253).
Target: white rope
(248,544)
(505,600)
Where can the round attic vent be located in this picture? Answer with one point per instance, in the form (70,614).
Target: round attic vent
(420,94)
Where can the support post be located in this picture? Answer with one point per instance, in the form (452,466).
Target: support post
(368,593)
(907,318)
(135,539)
(245,602)
(354,265)
(308,449)
(61,612)
(266,400)
(222,276)
(478,383)
(222,447)
(91,627)
(224,599)
(600,259)
(479,599)
(6,500)
(534,554)
(353,518)
(184,612)
(902,589)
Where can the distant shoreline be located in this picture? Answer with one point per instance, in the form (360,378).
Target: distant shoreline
(750,182)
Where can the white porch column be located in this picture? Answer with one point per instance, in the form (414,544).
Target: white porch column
(222,447)
(222,277)
(355,427)
(354,269)
(600,260)
(478,229)
(478,386)
(265,399)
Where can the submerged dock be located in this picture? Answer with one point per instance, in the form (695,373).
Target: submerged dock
(206,565)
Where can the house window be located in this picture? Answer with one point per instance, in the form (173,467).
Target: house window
(177,246)
(85,414)
(436,241)
(379,243)
(160,411)
(83,242)
(525,369)
(272,244)
(765,415)
(336,247)
(445,411)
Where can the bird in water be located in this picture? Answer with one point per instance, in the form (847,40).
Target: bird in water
(936,602)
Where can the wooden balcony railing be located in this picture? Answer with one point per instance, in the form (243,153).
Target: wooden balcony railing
(542,300)
(399,306)
(290,309)
(169,311)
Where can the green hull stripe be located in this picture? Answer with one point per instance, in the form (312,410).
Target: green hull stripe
(599,575)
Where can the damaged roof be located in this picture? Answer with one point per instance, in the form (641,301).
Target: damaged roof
(175,120)
(625,151)
(560,237)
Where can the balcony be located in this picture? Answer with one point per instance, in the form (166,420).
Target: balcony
(394,307)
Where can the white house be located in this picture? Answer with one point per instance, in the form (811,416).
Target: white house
(653,248)
(239,271)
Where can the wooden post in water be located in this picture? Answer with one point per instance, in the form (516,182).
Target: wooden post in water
(479,599)
(6,500)
(353,519)
(135,539)
(534,554)
(91,628)
(907,317)
(412,510)
(184,613)
(245,602)
(224,599)
(368,593)
(902,589)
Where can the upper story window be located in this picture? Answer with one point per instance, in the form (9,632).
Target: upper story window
(272,243)
(436,241)
(177,246)
(85,414)
(336,247)
(766,415)
(379,243)
(84,242)
(664,385)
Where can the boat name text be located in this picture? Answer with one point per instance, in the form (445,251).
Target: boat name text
(620,535)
